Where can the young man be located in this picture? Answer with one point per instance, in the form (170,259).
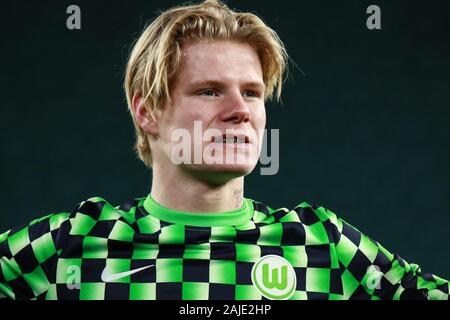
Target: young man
(195,236)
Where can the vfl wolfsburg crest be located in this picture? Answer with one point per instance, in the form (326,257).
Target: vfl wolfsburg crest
(274,277)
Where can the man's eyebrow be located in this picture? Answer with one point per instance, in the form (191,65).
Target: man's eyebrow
(220,84)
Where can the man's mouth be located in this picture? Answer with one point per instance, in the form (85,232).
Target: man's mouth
(238,139)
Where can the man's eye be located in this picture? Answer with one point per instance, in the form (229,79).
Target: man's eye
(208,92)
(250,93)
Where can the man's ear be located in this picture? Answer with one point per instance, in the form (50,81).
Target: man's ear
(144,117)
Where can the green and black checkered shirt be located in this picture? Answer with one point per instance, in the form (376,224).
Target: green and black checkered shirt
(142,250)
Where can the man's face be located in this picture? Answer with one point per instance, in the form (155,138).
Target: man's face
(220,88)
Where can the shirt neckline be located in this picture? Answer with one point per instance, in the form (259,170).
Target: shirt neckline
(208,219)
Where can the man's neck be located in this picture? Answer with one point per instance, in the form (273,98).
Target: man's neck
(183,192)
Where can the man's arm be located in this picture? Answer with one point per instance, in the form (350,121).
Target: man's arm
(369,271)
(28,256)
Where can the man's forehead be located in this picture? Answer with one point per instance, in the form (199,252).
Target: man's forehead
(219,61)
(218,51)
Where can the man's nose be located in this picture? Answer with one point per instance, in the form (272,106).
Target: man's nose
(236,109)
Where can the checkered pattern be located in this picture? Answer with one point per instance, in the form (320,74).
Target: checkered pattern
(63,256)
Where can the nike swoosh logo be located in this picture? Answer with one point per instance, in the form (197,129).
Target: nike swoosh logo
(109,277)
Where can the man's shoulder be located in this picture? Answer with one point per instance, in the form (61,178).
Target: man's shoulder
(306,223)
(306,212)
(78,219)
(97,216)
(98,208)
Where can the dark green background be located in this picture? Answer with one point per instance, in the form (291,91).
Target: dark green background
(365,131)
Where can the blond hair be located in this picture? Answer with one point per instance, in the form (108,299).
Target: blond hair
(156,55)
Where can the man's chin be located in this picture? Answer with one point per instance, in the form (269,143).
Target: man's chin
(221,173)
